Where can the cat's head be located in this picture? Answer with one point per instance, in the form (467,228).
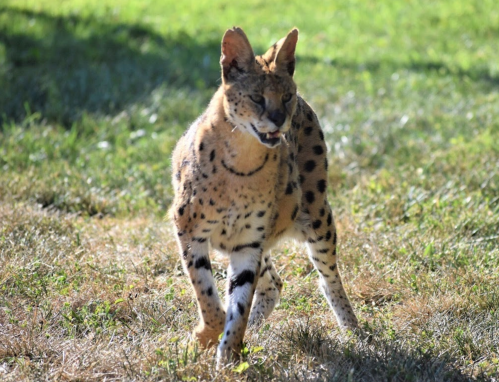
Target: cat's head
(259,91)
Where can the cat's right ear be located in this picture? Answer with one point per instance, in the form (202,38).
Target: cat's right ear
(237,54)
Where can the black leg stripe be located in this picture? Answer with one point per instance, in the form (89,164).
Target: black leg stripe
(203,262)
(241,279)
(240,247)
(267,268)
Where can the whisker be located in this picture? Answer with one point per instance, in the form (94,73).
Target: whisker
(285,139)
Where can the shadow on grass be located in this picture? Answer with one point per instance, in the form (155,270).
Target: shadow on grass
(65,66)
(375,360)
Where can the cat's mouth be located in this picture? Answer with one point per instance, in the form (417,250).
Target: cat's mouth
(271,139)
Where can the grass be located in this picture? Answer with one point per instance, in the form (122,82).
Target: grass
(93,96)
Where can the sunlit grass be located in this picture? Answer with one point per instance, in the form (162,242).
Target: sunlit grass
(94,95)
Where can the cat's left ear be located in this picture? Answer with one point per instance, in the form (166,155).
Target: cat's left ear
(285,56)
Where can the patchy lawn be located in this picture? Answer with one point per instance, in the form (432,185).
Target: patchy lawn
(93,96)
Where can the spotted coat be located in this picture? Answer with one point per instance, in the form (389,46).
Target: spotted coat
(249,171)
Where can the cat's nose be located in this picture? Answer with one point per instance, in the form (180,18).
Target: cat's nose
(277,117)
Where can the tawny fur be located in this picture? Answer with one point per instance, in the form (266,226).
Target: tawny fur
(251,170)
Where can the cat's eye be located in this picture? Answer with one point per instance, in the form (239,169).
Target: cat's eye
(287,97)
(257,98)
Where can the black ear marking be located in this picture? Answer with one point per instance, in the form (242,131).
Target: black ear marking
(228,69)
(237,55)
(285,57)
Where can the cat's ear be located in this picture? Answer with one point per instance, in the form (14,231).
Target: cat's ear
(237,54)
(282,53)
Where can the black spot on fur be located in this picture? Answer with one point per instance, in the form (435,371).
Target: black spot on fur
(329,219)
(201,146)
(209,291)
(260,213)
(310,196)
(294,213)
(310,165)
(318,150)
(240,308)
(308,130)
(289,189)
(316,224)
(321,186)
(212,155)
(267,268)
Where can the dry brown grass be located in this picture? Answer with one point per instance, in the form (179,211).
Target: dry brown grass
(105,299)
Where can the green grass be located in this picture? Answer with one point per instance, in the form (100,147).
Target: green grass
(93,96)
